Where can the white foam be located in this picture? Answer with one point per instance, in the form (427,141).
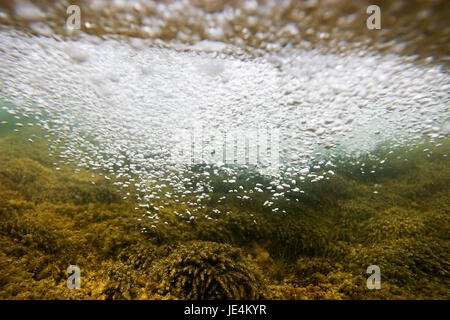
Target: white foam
(131,99)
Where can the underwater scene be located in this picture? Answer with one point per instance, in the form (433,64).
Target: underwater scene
(224,150)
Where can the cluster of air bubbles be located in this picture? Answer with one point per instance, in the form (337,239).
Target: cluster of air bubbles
(419,29)
(133,112)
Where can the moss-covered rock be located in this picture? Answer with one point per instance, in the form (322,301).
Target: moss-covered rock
(208,270)
(317,246)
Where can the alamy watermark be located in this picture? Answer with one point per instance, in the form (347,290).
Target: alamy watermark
(74,280)
(374,20)
(256,147)
(374,281)
(73,21)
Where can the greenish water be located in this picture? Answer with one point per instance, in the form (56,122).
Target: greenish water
(317,246)
(275,154)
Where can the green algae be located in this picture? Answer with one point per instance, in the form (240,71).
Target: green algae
(319,248)
(208,270)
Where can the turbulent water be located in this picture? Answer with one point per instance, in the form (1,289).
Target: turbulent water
(232,110)
(126,105)
(110,103)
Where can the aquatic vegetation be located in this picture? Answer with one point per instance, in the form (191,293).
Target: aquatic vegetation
(224,150)
(121,282)
(141,255)
(317,245)
(32,234)
(208,270)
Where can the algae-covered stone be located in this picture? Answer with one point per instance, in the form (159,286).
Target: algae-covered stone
(208,270)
